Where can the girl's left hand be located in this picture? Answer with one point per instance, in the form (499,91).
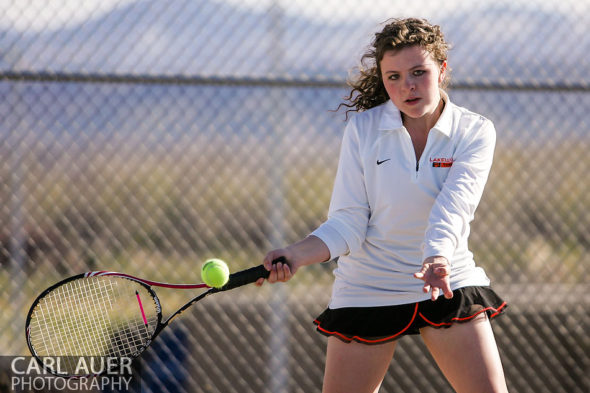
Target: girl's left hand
(435,273)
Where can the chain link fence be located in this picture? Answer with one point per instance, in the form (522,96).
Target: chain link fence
(146,137)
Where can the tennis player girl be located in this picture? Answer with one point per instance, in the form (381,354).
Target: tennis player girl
(411,173)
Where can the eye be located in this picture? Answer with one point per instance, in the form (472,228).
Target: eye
(419,72)
(393,77)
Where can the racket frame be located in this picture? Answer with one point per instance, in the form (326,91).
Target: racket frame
(144,283)
(236,280)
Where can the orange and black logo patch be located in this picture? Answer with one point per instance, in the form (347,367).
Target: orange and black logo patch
(441,162)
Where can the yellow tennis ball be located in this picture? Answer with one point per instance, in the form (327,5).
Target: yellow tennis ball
(215,273)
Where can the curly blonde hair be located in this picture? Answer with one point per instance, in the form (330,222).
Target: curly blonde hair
(368,90)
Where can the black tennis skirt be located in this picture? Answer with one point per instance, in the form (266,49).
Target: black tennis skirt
(375,325)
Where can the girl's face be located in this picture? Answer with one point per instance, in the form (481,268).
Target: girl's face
(412,77)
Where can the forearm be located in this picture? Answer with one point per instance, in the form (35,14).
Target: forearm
(305,252)
(308,251)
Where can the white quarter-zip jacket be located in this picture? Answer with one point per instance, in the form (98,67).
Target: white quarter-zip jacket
(389,212)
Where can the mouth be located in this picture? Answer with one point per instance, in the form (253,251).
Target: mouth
(412,101)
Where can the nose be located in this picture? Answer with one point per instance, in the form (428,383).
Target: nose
(410,84)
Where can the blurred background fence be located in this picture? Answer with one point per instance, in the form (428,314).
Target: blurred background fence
(145,136)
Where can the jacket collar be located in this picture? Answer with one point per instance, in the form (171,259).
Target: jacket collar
(391,118)
(445,121)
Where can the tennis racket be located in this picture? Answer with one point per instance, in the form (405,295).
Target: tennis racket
(105,315)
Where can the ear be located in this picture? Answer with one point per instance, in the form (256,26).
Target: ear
(443,72)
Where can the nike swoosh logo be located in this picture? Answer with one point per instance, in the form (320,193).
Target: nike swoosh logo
(381,162)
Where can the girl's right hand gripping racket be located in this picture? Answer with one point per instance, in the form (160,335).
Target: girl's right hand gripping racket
(105,315)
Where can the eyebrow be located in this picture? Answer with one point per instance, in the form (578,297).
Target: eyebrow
(410,69)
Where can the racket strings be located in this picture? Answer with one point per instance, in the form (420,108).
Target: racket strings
(94,316)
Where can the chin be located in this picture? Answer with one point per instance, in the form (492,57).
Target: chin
(415,113)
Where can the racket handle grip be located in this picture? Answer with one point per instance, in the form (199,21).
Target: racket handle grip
(247,276)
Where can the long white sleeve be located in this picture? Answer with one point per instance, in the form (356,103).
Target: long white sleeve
(345,229)
(455,205)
